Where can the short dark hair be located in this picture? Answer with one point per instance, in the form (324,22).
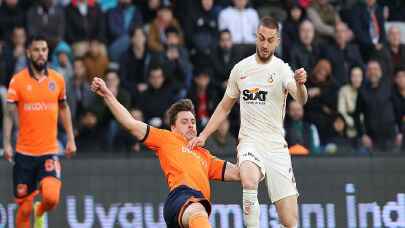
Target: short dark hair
(269,22)
(180,106)
(35,38)
(399,69)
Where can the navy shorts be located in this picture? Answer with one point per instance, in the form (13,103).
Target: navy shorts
(28,171)
(177,201)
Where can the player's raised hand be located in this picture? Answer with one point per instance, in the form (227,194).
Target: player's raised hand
(70,149)
(300,76)
(99,87)
(197,141)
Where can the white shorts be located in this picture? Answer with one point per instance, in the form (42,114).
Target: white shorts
(275,166)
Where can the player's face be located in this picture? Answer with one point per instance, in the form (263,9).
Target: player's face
(38,54)
(267,40)
(186,125)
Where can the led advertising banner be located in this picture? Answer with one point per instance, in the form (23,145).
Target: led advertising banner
(130,192)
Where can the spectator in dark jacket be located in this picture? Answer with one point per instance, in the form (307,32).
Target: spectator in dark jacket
(157,98)
(134,63)
(11,15)
(338,143)
(290,29)
(399,102)
(343,55)
(307,52)
(322,102)
(84,21)
(120,21)
(368,26)
(222,143)
(47,19)
(379,130)
(204,27)
(204,95)
(14,53)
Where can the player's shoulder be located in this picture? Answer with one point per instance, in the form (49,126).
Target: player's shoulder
(55,75)
(245,62)
(20,76)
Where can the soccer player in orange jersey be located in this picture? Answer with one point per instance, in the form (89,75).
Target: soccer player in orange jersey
(37,95)
(187,171)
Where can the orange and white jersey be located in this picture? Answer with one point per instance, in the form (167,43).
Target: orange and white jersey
(38,105)
(262,92)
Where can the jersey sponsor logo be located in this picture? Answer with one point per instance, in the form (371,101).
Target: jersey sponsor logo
(186,150)
(254,96)
(52,86)
(39,106)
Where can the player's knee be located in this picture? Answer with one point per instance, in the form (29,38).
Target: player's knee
(289,221)
(250,183)
(51,200)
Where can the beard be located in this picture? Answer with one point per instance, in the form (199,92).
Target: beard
(262,58)
(38,66)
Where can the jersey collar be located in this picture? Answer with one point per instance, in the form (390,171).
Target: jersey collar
(31,71)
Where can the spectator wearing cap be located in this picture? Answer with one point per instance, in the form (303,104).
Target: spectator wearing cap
(343,55)
(204,95)
(120,21)
(378,131)
(61,60)
(157,38)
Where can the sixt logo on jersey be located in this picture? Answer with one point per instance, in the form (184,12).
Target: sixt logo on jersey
(254,94)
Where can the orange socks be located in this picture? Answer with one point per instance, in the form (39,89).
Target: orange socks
(50,189)
(199,220)
(24,214)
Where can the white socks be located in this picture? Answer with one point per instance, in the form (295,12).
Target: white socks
(251,208)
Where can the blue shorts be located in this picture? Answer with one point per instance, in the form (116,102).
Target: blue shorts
(178,200)
(28,171)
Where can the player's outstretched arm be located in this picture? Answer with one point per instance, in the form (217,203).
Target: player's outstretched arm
(137,128)
(231,172)
(297,89)
(220,114)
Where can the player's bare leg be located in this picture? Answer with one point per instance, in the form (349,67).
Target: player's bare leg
(250,177)
(195,216)
(287,210)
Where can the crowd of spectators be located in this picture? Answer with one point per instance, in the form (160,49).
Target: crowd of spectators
(153,52)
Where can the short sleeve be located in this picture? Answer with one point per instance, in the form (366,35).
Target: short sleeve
(216,168)
(12,93)
(288,75)
(155,137)
(62,92)
(232,89)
